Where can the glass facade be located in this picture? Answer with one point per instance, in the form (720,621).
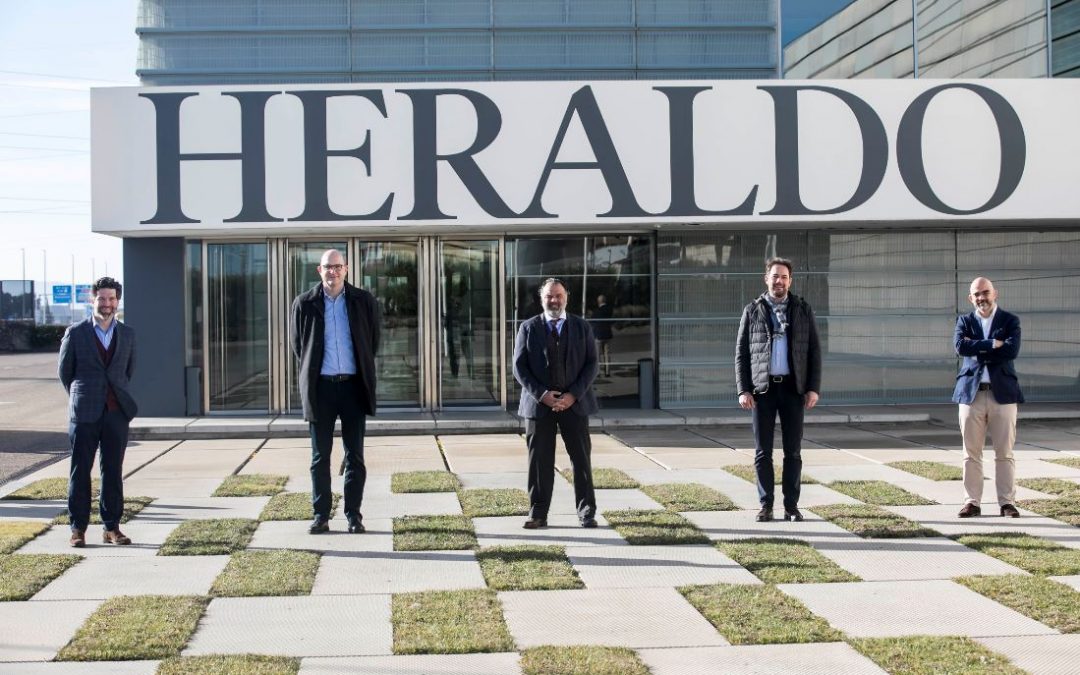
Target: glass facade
(263,41)
(933,38)
(886,304)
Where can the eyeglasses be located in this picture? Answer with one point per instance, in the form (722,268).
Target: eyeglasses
(335,268)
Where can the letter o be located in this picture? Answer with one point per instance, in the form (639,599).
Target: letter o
(909,155)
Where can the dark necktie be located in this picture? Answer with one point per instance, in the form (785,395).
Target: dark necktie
(555,328)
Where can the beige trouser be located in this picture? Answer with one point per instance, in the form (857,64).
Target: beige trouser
(985,414)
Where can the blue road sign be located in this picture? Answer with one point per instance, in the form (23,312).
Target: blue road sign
(61,295)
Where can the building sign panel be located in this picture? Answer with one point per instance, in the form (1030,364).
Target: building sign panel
(509,155)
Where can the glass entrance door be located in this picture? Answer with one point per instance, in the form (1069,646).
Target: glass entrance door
(388,270)
(469,346)
(237,343)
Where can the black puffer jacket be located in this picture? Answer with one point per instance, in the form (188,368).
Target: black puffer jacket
(753,347)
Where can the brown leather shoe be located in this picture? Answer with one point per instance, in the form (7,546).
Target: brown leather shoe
(78,539)
(970,511)
(535,523)
(115,537)
(1009,511)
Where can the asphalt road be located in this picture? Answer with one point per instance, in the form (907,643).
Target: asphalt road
(33,413)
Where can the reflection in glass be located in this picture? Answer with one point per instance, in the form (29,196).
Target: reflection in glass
(865,38)
(193,308)
(388,271)
(469,298)
(238,327)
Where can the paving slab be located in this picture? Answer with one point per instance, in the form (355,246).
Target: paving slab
(909,455)
(85,668)
(617,617)
(321,625)
(178,509)
(853,438)
(181,462)
(465,441)
(35,631)
(42,510)
(562,530)
(505,479)
(627,462)
(898,608)
(378,505)
(172,487)
(368,573)
(657,439)
(388,465)
(249,444)
(1039,654)
(655,566)
(943,519)
(285,461)
(420,664)
(829,658)
(706,459)
(99,578)
(1034,468)
(813,495)
(286,534)
(146,539)
(608,500)
(828,474)
(1072,581)
(910,559)
(507,464)
(729,525)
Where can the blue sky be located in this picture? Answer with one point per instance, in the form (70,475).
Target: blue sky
(51,53)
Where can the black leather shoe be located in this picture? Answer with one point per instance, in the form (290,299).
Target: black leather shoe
(588,522)
(319,525)
(764,515)
(793,514)
(970,511)
(1009,511)
(356,527)
(535,523)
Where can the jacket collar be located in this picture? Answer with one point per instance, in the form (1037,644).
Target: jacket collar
(316,292)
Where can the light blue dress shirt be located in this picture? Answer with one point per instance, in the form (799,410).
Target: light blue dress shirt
(338,358)
(105,336)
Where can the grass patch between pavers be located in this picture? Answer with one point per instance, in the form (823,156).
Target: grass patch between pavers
(758,615)
(1031,554)
(930,470)
(424,481)
(132,628)
(1039,598)
(434,533)
(528,568)
(209,537)
(879,492)
(604,478)
(1065,509)
(15,533)
(645,528)
(1052,486)
(872,522)
(251,485)
(933,655)
(449,622)
(689,497)
(132,507)
(784,561)
(1071,462)
(747,473)
(23,575)
(51,488)
(482,503)
(294,506)
(258,573)
(582,660)
(233,664)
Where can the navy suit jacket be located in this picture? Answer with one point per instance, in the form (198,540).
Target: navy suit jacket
(531,365)
(978,352)
(85,377)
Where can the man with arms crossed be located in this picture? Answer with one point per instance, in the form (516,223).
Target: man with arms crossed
(555,363)
(988,341)
(335,336)
(97,360)
(778,370)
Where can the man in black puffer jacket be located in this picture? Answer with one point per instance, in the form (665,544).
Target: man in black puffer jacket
(778,370)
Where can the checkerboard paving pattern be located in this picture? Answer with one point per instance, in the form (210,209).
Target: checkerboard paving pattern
(630,596)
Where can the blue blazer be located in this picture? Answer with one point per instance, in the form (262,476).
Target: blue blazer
(978,353)
(85,377)
(530,365)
